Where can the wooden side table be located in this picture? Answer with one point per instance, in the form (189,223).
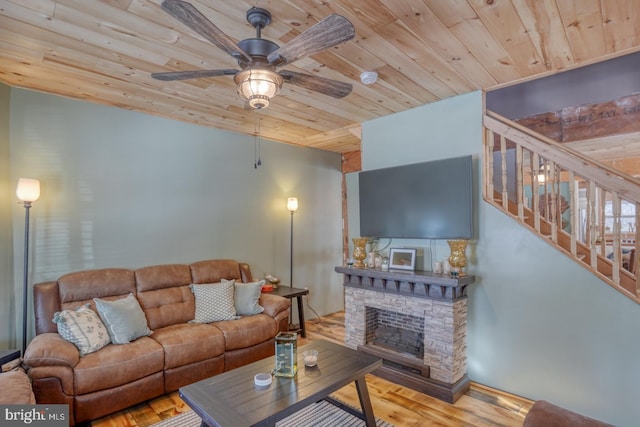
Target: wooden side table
(298,293)
(7,356)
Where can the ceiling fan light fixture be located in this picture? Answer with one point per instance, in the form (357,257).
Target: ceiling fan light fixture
(258,86)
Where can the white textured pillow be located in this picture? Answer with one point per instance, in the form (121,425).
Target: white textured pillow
(83,328)
(124,319)
(247,296)
(214,301)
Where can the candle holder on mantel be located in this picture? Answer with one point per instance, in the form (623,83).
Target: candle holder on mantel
(457,259)
(359,252)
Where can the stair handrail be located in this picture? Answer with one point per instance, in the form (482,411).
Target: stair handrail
(609,178)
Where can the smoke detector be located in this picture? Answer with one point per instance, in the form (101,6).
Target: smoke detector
(369,77)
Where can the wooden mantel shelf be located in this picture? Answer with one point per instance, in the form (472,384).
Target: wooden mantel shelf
(420,284)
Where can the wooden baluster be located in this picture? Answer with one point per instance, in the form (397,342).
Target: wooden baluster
(601,229)
(503,156)
(573,213)
(617,249)
(535,193)
(519,185)
(488,170)
(592,225)
(532,172)
(553,196)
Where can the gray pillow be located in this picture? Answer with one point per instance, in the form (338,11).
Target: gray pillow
(124,319)
(246,298)
(214,301)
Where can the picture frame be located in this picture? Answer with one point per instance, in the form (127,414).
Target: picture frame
(402,258)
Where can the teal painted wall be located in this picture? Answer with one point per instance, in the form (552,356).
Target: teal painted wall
(124,189)
(7,197)
(539,325)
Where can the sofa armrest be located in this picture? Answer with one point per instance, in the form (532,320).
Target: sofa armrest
(274,304)
(51,349)
(545,414)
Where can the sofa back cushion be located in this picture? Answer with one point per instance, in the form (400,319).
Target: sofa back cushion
(164,294)
(83,286)
(213,271)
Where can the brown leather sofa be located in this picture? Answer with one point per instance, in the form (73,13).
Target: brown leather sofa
(177,353)
(545,414)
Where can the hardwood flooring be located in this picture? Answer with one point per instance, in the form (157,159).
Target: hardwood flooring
(403,407)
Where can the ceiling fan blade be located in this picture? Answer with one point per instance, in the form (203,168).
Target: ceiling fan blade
(195,74)
(329,87)
(331,31)
(194,19)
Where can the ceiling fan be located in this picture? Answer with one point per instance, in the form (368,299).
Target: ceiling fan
(259,58)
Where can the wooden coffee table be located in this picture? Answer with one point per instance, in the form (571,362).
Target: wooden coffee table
(231,399)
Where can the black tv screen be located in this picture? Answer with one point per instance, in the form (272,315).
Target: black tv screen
(431,200)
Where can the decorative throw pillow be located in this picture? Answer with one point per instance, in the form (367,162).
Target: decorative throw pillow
(246,298)
(214,301)
(124,319)
(83,328)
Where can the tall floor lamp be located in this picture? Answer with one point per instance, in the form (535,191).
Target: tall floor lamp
(28,191)
(292,205)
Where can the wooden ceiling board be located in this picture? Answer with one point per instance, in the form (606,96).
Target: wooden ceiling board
(583,22)
(544,26)
(103,51)
(426,25)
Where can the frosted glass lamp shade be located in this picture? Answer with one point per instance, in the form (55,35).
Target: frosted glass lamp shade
(292,204)
(28,189)
(258,86)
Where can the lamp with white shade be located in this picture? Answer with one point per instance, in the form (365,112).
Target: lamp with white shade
(28,191)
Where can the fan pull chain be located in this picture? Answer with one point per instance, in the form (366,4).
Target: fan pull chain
(256,145)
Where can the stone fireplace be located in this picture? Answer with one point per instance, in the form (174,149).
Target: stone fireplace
(416,322)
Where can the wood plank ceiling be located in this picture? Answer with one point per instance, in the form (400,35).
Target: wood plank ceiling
(423,51)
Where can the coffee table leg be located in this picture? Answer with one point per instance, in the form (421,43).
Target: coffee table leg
(365,402)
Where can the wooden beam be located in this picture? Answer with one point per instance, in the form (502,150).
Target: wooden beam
(588,121)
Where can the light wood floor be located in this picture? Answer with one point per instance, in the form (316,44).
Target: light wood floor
(401,406)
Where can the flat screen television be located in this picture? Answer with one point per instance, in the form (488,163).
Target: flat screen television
(430,200)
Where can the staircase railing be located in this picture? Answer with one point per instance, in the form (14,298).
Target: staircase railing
(588,210)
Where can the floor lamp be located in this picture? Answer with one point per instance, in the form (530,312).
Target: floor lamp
(28,191)
(292,205)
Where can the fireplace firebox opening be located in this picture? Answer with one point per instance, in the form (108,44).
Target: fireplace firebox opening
(398,332)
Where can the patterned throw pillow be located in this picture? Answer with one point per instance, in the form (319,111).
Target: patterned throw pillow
(246,298)
(214,301)
(83,328)
(123,318)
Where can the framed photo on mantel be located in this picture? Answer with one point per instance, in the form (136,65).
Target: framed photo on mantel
(402,259)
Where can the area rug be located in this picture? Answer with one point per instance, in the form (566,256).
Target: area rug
(321,414)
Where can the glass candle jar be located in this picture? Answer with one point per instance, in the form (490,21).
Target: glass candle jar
(286,354)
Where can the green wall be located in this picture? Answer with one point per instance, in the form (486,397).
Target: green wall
(538,325)
(124,189)
(7,197)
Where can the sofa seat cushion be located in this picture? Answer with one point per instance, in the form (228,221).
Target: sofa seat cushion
(189,343)
(247,331)
(115,365)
